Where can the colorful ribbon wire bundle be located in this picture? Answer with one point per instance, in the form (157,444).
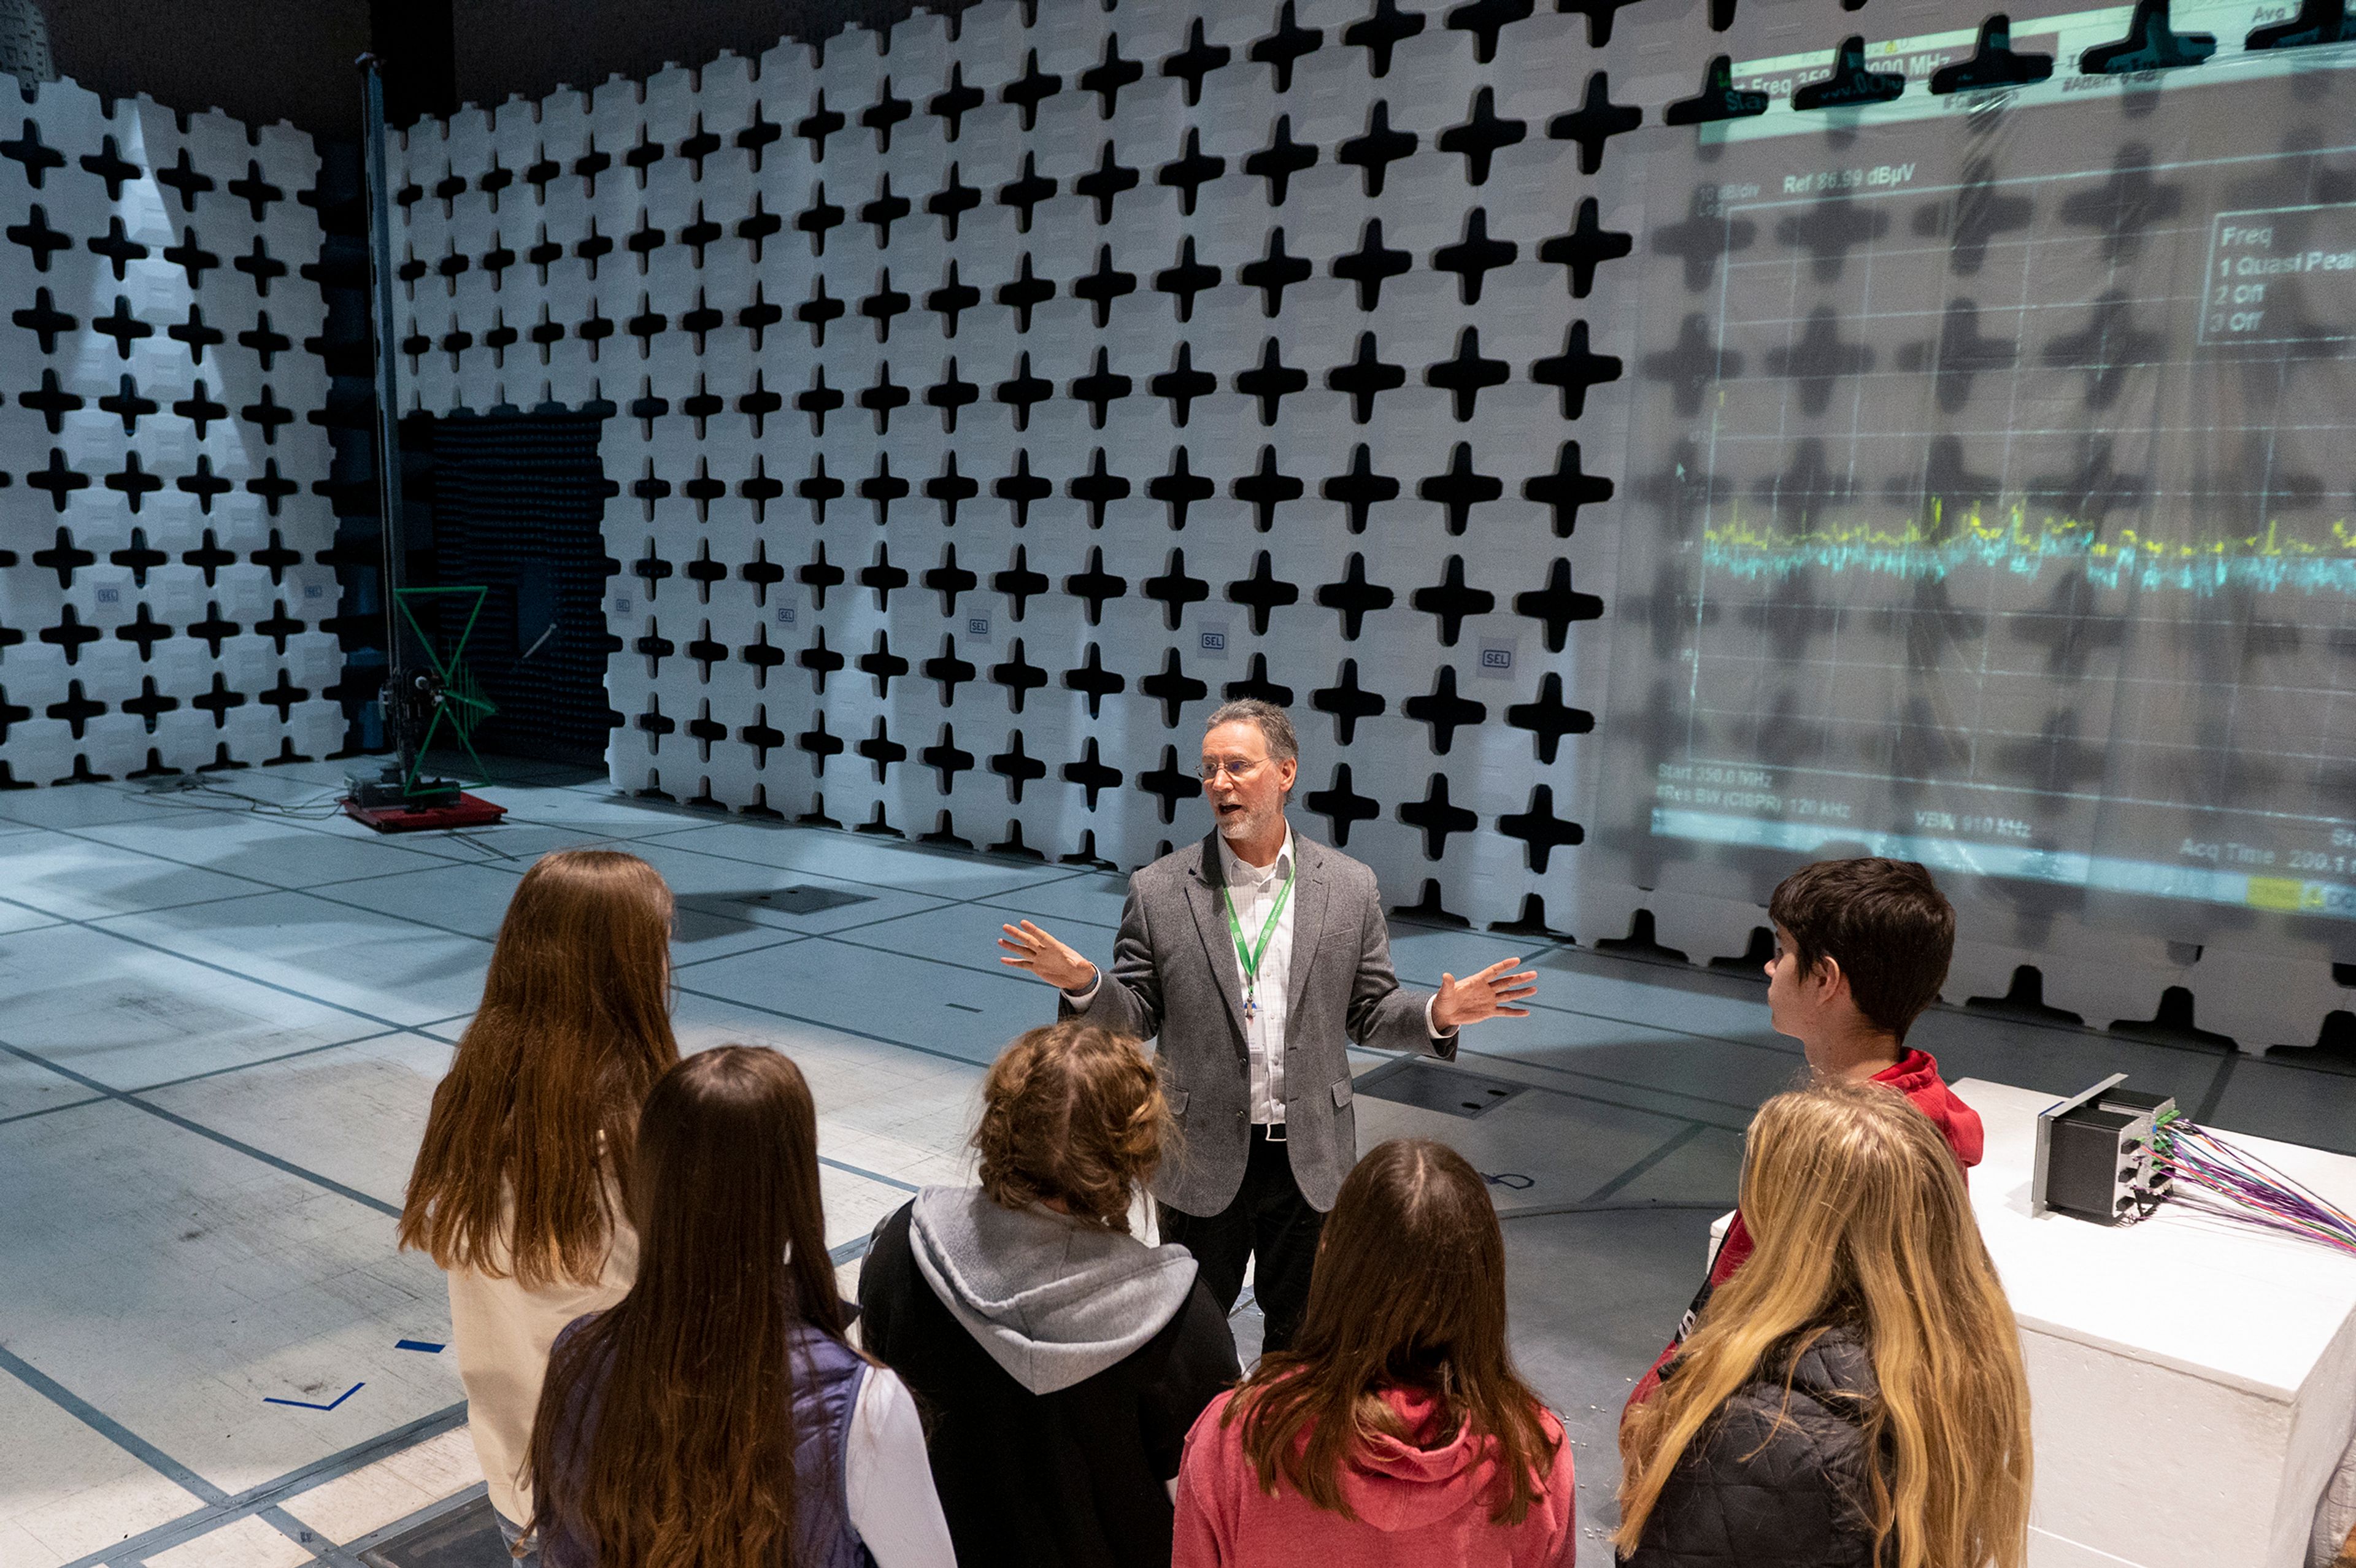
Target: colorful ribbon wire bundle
(2217,1178)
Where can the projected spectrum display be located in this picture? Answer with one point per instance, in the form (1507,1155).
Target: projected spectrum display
(2001,481)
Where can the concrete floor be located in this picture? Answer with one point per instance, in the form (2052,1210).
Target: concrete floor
(220,1027)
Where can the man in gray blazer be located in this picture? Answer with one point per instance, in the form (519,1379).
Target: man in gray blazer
(1255,956)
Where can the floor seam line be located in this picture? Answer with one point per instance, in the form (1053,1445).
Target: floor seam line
(1006,974)
(52,1109)
(1506,1057)
(218,968)
(1591,1099)
(855,881)
(1669,1146)
(187,1124)
(839,1028)
(976,901)
(1669,1029)
(786,941)
(321,1548)
(274,1061)
(106,1427)
(875,1176)
(2215,1093)
(1404,984)
(1727,1127)
(1572,1012)
(83,835)
(272,1493)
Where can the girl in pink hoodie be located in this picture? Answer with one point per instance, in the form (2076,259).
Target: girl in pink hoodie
(1396,1430)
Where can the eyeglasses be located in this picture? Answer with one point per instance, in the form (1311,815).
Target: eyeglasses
(1237,768)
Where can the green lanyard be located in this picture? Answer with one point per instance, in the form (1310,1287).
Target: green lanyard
(1250,955)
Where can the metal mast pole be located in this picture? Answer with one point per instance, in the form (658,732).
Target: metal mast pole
(394,699)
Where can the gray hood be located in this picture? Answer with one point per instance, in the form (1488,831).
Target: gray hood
(1054,1301)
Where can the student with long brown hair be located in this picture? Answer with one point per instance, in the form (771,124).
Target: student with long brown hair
(1059,1358)
(715,1417)
(515,1192)
(1396,1429)
(1853,1396)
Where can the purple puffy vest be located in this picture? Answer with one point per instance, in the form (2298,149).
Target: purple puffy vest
(827,1376)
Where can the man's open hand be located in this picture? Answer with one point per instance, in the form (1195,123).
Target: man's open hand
(1028,947)
(1487,994)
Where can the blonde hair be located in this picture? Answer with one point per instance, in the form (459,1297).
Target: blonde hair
(1860,1217)
(540,1110)
(1071,1114)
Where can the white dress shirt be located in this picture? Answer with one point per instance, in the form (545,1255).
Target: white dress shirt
(1251,893)
(1252,890)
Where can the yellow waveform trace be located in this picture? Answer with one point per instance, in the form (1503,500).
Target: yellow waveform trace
(2008,540)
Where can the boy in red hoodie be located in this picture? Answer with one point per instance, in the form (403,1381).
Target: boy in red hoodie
(1862,948)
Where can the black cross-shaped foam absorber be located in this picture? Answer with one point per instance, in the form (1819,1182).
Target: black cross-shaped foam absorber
(1450,601)
(1093,682)
(1354,598)
(1595,122)
(1586,247)
(1180,487)
(1266,489)
(1539,829)
(1483,134)
(1091,773)
(1018,677)
(1341,805)
(1437,817)
(1188,65)
(1348,702)
(1188,173)
(1550,719)
(1173,688)
(1257,684)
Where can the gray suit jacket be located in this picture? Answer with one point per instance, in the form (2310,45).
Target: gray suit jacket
(1174,977)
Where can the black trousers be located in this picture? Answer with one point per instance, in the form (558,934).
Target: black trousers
(1269,1222)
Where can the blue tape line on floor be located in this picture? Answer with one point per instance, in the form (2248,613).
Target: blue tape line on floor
(307,1404)
(428,1345)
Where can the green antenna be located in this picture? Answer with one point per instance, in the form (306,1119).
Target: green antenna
(455,696)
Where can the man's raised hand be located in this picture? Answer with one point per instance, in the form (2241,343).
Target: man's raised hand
(1028,947)
(1487,994)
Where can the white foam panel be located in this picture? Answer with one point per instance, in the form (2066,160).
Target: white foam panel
(1050,400)
(161,593)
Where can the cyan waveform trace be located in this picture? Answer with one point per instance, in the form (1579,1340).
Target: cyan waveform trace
(2006,540)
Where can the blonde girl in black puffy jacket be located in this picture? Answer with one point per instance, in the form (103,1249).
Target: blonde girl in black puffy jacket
(1853,1398)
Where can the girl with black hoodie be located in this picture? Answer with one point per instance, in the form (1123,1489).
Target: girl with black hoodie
(1059,1360)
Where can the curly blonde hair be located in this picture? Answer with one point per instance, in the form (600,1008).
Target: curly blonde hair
(1072,1115)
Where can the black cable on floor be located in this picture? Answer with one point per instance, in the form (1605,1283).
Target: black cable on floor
(175,794)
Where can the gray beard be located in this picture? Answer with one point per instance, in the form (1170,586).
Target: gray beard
(1247,825)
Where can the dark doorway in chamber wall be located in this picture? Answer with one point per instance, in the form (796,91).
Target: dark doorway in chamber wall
(517,501)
